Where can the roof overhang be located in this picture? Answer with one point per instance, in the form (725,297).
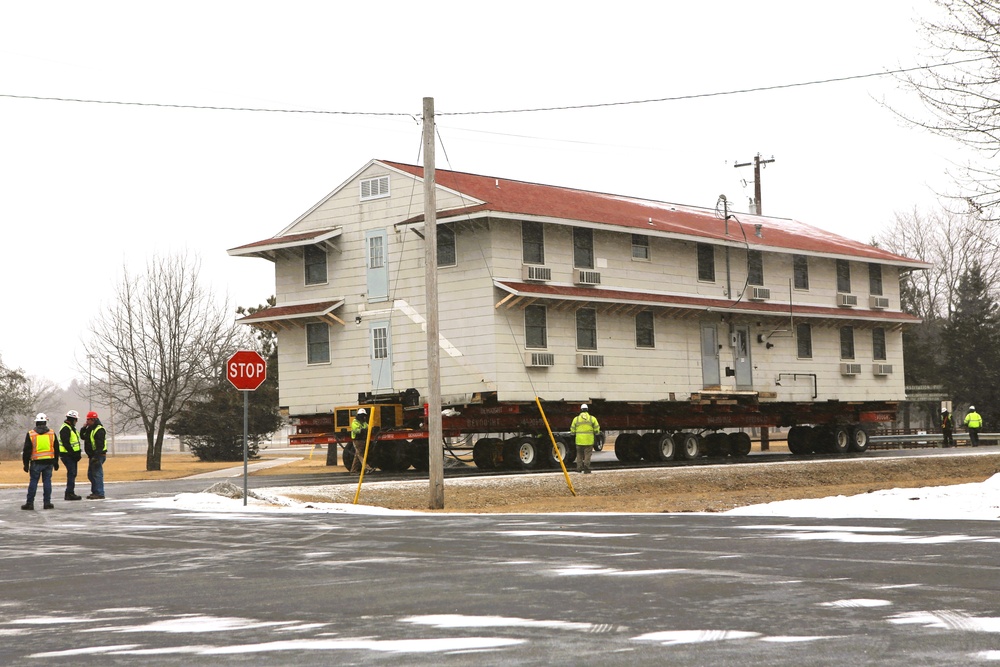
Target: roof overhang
(298,315)
(628,302)
(273,248)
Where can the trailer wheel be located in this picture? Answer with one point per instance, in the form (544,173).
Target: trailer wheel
(487,453)
(664,448)
(348,455)
(419,455)
(800,440)
(739,444)
(692,446)
(394,455)
(521,452)
(627,447)
(716,444)
(648,444)
(550,452)
(570,442)
(838,439)
(859,438)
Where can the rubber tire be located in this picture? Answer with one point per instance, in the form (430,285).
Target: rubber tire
(521,453)
(549,457)
(692,446)
(627,447)
(838,439)
(665,448)
(419,455)
(487,453)
(859,438)
(716,444)
(739,444)
(800,440)
(348,455)
(648,444)
(394,455)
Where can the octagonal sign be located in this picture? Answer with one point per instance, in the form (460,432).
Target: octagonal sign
(246,370)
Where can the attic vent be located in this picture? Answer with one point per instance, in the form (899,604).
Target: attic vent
(585,277)
(846,299)
(880,302)
(590,361)
(760,294)
(850,369)
(882,369)
(539,273)
(539,359)
(374,188)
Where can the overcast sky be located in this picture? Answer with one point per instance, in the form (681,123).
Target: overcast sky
(88,188)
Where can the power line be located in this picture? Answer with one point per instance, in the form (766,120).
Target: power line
(595,105)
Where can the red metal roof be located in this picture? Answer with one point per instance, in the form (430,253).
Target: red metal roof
(701,304)
(645,216)
(314,309)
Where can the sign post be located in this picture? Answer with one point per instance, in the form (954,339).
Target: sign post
(246,370)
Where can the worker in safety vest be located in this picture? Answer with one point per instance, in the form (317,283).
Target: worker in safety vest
(69,452)
(973,422)
(39,458)
(359,434)
(585,428)
(95,443)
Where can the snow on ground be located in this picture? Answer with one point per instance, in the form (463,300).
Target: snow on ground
(961,501)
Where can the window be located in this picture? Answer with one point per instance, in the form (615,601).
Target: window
(583,248)
(804,340)
(380,342)
(534,327)
(644,329)
(586,329)
(315,262)
(532,243)
(846,342)
(640,246)
(878,344)
(755,267)
(800,269)
(446,245)
(376,252)
(843,276)
(318,343)
(875,279)
(375,188)
(706,262)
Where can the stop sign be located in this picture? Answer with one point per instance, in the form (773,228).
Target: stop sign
(246,370)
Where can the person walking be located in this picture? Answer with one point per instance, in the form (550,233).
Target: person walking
(69,452)
(947,428)
(39,458)
(95,443)
(359,434)
(973,422)
(585,428)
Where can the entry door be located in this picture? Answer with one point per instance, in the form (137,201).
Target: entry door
(381,357)
(741,357)
(378,265)
(710,356)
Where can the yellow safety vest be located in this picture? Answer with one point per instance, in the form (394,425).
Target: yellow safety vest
(90,437)
(585,426)
(973,420)
(74,439)
(42,445)
(357,427)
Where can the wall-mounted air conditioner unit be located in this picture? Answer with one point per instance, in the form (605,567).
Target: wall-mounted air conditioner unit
(850,369)
(590,361)
(539,359)
(760,293)
(879,302)
(537,273)
(586,277)
(882,369)
(846,299)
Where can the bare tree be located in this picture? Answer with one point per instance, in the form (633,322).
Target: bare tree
(960,87)
(161,343)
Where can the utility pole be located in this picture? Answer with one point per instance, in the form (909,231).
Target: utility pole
(756,180)
(435,436)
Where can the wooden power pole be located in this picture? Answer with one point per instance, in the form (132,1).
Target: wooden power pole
(435,437)
(756,180)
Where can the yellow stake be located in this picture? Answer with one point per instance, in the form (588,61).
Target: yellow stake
(364,464)
(555,447)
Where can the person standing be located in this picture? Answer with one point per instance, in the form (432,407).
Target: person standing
(39,458)
(359,434)
(585,428)
(69,452)
(973,422)
(947,428)
(94,438)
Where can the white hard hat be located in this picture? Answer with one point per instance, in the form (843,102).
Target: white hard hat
(971,407)
(362,411)
(40,417)
(583,407)
(73,414)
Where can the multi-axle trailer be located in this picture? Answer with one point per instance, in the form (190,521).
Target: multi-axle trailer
(504,434)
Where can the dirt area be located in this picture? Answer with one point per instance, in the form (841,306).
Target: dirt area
(679,489)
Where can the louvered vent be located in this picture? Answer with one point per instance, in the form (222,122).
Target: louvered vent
(537,273)
(880,302)
(850,369)
(590,361)
(585,277)
(846,299)
(373,188)
(539,359)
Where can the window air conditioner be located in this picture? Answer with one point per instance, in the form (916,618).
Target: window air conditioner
(538,273)
(850,369)
(879,302)
(586,277)
(539,359)
(846,299)
(882,369)
(590,361)
(760,293)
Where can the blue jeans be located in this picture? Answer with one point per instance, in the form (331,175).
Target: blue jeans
(95,473)
(43,470)
(70,462)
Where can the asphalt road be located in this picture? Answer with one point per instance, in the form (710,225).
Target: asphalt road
(117,583)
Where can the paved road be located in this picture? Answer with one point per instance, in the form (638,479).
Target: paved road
(117,583)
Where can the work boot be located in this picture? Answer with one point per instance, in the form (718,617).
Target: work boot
(586,471)
(28,506)
(48,506)
(95,496)
(73,496)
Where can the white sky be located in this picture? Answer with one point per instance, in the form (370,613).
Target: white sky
(87,188)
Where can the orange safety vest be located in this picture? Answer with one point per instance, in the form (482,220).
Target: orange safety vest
(42,445)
